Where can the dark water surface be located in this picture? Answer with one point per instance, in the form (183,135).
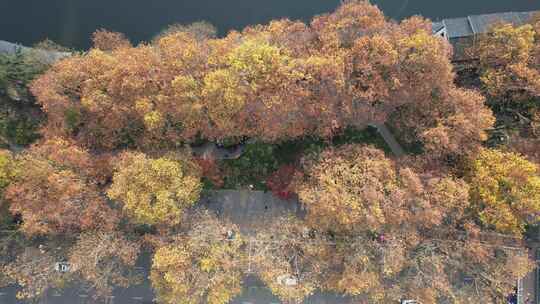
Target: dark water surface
(71,22)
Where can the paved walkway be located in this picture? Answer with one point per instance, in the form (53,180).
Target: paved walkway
(249,210)
(390,140)
(212,151)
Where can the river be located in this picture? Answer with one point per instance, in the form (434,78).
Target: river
(70,22)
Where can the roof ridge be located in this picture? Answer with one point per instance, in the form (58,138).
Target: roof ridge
(471,25)
(497,13)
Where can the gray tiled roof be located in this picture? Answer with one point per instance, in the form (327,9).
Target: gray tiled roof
(42,55)
(437,26)
(483,23)
(458,27)
(8,47)
(477,24)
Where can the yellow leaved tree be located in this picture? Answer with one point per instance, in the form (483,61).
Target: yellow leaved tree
(505,190)
(155,191)
(203,265)
(509,61)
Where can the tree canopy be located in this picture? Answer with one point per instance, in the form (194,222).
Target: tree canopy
(509,70)
(103,261)
(274,82)
(290,261)
(509,60)
(54,193)
(289,107)
(505,190)
(155,191)
(399,231)
(356,188)
(200,266)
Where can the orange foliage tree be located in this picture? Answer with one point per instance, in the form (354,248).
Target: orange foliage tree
(398,232)
(273,82)
(108,41)
(356,188)
(54,192)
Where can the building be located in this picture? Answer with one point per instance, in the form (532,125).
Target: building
(43,56)
(463,32)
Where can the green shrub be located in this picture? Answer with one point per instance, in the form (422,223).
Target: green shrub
(73,118)
(257,162)
(18,130)
(20,117)
(369,135)
(19,69)
(49,45)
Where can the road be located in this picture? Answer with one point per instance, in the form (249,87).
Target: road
(254,293)
(247,209)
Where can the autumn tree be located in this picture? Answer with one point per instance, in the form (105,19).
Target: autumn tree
(350,21)
(34,270)
(155,191)
(103,261)
(295,36)
(202,265)
(280,181)
(249,94)
(505,190)
(449,271)
(274,82)
(185,65)
(98,110)
(145,99)
(7,169)
(107,41)
(291,259)
(357,189)
(211,171)
(54,193)
(200,30)
(329,192)
(363,267)
(509,61)
(401,74)
(509,70)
